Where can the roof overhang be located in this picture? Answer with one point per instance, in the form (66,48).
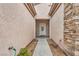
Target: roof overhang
(54,8)
(31,8)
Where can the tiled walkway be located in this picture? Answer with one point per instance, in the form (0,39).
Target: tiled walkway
(42,48)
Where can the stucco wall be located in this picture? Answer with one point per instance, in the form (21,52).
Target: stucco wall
(57,27)
(17,27)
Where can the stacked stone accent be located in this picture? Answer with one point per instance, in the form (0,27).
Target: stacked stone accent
(69,28)
(76,18)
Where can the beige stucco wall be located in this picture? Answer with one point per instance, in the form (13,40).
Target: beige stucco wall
(17,27)
(57,27)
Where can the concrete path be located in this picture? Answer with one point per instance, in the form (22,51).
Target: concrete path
(42,48)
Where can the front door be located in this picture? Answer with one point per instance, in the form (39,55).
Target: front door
(42,29)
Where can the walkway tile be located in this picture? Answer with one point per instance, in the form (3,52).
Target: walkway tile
(42,48)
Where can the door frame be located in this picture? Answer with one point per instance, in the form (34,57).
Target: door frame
(42,21)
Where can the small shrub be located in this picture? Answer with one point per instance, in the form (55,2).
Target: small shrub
(23,52)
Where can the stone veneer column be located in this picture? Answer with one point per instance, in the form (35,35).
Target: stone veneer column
(69,28)
(76,18)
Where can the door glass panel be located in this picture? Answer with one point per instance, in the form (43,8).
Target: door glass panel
(42,28)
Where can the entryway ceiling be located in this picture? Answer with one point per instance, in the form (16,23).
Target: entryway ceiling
(42,10)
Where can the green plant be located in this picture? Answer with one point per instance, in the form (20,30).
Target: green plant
(23,52)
